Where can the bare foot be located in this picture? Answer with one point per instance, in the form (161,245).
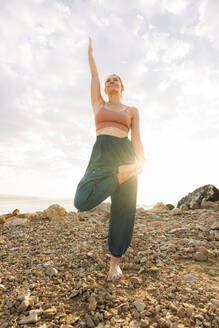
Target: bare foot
(114,271)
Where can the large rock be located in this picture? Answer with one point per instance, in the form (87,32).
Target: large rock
(55,211)
(160,207)
(206,193)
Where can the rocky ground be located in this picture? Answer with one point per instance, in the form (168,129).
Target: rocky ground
(54,266)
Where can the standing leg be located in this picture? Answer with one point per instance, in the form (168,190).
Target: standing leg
(122,216)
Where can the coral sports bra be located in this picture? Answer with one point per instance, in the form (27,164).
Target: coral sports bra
(106,118)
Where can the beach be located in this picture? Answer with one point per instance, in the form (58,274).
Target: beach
(55,263)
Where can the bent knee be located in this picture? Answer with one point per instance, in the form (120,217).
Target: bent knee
(80,204)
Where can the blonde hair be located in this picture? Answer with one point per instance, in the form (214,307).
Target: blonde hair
(121,81)
(122,84)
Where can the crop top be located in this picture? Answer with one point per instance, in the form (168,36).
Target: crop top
(106,118)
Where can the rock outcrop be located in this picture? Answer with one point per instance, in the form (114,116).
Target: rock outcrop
(205,193)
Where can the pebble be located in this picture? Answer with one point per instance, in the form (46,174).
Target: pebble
(215,226)
(139,304)
(15,222)
(32,318)
(93,303)
(169,271)
(51,272)
(215,301)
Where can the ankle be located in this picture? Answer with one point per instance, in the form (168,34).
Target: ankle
(115,260)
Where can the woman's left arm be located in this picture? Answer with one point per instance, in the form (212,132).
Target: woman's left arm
(135,136)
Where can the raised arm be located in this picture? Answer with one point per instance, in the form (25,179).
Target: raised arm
(96,97)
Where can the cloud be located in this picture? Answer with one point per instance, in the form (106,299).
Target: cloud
(208,25)
(166,52)
(174,6)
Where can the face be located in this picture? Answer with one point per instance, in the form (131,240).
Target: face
(113,85)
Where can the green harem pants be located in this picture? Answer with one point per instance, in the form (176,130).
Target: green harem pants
(100,181)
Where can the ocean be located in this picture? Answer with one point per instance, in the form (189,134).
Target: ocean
(32,204)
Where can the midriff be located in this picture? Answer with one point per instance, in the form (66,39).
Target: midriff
(112,131)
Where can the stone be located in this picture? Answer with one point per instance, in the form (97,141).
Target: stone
(24,295)
(215,226)
(169,206)
(2,219)
(54,211)
(15,221)
(49,313)
(198,256)
(202,250)
(16,212)
(180,230)
(216,206)
(184,207)
(194,205)
(135,280)
(206,192)
(216,234)
(51,272)
(134,324)
(215,301)
(139,304)
(92,304)
(144,323)
(160,207)
(189,278)
(100,325)
(207,204)
(24,304)
(176,211)
(32,318)
(90,322)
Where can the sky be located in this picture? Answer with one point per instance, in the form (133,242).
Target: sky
(166,52)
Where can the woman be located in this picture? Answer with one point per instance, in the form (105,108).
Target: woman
(114,164)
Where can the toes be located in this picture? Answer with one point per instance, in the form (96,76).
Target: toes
(112,278)
(109,277)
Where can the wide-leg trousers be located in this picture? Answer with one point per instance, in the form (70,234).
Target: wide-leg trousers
(101,181)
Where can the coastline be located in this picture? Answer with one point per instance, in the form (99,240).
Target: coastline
(8,203)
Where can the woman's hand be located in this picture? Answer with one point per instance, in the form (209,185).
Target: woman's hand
(90,49)
(141,162)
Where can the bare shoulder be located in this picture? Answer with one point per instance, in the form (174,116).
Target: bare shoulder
(133,111)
